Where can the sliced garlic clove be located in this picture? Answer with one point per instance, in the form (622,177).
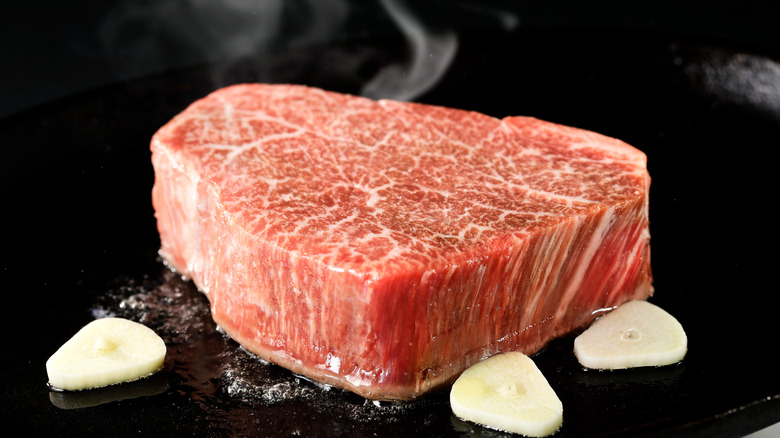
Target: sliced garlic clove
(105,352)
(507,392)
(635,334)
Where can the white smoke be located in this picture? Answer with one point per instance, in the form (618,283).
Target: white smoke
(147,37)
(431,55)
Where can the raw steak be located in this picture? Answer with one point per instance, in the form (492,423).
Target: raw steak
(383,247)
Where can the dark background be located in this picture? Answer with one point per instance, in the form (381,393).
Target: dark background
(55,49)
(84,85)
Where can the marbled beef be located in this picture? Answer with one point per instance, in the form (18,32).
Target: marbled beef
(384,247)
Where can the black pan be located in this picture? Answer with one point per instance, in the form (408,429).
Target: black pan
(80,241)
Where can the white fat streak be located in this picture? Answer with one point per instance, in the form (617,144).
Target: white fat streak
(374,198)
(584,262)
(635,252)
(622,153)
(374,195)
(360,378)
(478,228)
(505,184)
(621,157)
(332,363)
(236,151)
(374,192)
(556,251)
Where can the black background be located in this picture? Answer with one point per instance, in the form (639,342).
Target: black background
(56,49)
(694,85)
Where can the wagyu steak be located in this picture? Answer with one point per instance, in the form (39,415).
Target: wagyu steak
(383,247)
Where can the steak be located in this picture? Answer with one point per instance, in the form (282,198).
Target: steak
(383,247)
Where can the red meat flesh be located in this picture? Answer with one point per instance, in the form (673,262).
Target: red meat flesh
(384,247)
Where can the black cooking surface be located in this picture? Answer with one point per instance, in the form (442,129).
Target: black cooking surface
(80,239)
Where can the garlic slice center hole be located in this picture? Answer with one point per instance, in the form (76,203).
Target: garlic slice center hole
(631,335)
(103,344)
(508,390)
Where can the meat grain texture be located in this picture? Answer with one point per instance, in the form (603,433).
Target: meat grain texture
(383,247)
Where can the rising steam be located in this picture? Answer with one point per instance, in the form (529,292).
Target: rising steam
(143,38)
(431,56)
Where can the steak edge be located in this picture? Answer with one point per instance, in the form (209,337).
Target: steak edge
(383,247)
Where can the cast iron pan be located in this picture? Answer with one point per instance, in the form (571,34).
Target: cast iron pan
(79,241)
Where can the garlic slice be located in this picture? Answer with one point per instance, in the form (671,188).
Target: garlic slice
(507,392)
(105,352)
(635,334)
